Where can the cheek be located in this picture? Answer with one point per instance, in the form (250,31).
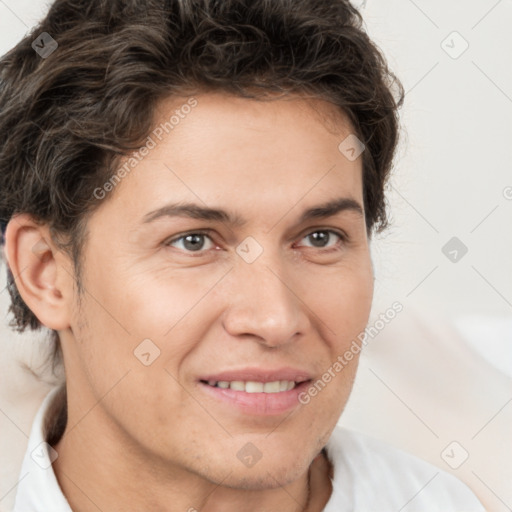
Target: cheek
(143,324)
(148,304)
(128,359)
(344,303)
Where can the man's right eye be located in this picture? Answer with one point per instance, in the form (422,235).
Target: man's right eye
(190,242)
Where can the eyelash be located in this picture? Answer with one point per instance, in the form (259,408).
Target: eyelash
(342,236)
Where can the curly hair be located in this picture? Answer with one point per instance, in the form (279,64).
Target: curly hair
(66,120)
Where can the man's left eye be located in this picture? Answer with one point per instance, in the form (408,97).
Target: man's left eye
(320,238)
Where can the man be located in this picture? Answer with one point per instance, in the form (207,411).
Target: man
(191,188)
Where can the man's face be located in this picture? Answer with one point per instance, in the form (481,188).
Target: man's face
(172,302)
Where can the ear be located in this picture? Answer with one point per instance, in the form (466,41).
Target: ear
(43,274)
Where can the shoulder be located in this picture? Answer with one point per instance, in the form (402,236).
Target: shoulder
(372,475)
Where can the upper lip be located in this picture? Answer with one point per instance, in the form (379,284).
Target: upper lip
(259,375)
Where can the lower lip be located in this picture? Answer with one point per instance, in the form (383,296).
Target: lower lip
(261,404)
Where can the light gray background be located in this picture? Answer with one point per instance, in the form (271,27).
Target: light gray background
(456,158)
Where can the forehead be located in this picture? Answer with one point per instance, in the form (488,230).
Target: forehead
(219,120)
(253,155)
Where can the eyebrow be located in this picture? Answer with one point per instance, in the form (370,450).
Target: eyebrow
(195,211)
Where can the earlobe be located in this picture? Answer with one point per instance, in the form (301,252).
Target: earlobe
(37,266)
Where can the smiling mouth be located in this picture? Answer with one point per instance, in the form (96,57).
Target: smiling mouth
(278,386)
(255,397)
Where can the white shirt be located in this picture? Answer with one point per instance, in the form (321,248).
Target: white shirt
(369,476)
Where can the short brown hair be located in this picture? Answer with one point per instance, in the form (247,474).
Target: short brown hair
(67,119)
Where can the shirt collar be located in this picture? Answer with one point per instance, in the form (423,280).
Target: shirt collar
(38,488)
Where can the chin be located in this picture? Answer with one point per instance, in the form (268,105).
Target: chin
(275,469)
(267,476)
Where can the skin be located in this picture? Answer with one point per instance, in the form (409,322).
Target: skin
(147,437)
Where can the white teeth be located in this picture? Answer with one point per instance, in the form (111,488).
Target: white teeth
(237,385)
(252,386)
(271,387)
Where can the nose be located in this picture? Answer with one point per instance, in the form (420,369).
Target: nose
(264,303)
